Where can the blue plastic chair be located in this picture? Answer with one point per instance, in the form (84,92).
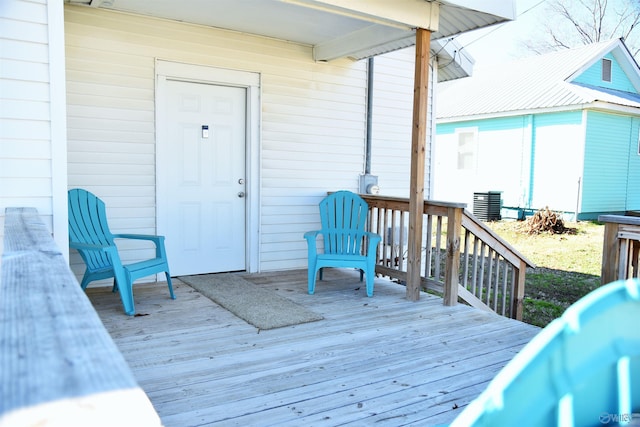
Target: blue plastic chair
(343,217)
(89,234)
(582,369)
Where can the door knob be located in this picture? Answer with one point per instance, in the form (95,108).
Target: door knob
(241,194)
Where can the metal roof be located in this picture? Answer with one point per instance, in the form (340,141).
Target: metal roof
(453,61)
(536,83)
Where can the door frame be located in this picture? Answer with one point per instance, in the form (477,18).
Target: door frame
(192,73)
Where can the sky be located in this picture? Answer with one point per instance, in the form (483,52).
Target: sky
(502,43)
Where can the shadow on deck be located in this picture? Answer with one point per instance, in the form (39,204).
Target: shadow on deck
(382,360)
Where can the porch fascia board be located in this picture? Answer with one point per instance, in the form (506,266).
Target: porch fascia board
(406,14)
(500,8)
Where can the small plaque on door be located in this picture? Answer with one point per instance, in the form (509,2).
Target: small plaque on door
(205,131)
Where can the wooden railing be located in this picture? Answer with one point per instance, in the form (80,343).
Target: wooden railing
(58,364)
(621,248)
(461,256)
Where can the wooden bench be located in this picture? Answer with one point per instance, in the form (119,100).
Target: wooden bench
(58,364)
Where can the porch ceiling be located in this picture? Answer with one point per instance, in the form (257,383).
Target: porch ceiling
(335,28)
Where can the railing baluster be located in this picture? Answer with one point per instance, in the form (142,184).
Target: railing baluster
(474,275)
(496,281)
(438,249)
(512,285)
(623,259)
(380,223)
(388,240)
(429,245)
(489,276)
(490,268)
(481,283)
(635,255)
(394,243)
(401,244)
(465,267)
(372,227)
(505,275)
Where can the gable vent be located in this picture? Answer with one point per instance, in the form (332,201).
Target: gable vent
(606,70)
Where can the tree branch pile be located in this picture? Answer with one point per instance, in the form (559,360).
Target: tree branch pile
(545,221)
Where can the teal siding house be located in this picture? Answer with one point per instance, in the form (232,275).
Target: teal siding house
(559,130)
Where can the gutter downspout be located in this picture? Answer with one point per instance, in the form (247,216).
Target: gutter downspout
(532,162)
(368,182)
(367,159)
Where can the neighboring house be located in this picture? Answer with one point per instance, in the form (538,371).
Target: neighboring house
(559,130)
(220,127)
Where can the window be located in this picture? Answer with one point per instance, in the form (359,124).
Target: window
(606,70)
(466,150)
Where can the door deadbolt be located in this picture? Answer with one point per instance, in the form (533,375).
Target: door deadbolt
(241,194)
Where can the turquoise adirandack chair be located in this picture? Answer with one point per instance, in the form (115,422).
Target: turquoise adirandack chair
(582,369)
(89,234)
(343,218)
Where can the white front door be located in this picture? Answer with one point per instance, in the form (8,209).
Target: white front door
(201,177)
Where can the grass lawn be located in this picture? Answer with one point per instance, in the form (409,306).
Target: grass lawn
(567,266)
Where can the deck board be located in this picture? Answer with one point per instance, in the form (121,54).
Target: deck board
(382,360)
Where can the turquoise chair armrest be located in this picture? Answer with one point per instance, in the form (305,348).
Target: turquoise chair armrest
(311,237)
(373,241)
(157,240)
(139,237)
(373,236)
(89,247)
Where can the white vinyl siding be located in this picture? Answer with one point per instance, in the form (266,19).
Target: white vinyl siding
(392,122)
(30,57)
(312,120)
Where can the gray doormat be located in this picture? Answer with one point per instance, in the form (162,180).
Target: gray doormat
(259,307)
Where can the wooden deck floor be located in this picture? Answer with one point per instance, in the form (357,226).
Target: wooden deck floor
(381,360)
